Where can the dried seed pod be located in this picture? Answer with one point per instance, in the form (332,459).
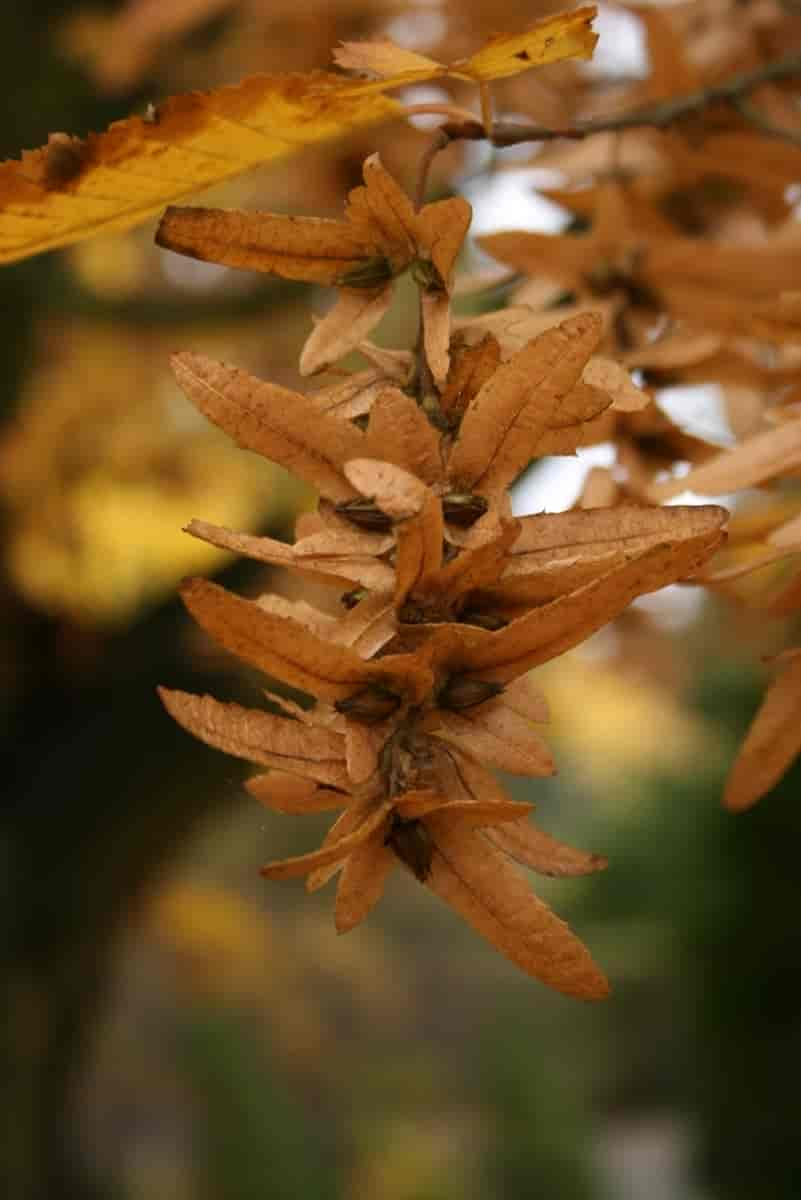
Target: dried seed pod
(412,843)
(366,515)
(483,620)
(353,597)
(463,508)
(369,274)
(411,614)
(370,705)
(461,692)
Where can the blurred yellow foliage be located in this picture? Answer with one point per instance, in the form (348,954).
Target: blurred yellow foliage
(616,725)
(104,466)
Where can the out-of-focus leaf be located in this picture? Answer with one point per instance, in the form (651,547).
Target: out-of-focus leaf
(105,462)
(773,740)
(761,457)
(566,35)
(73,188)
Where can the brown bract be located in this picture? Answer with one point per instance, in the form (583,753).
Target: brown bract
(381,236)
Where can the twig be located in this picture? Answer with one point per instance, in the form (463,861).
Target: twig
(440,140)
(750,113)
(485,97)
(654,116)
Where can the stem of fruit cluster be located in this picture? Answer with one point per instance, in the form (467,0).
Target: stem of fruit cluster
(661,115)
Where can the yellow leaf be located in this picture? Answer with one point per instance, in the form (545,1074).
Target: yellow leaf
(72,189)
(553,39)
(566,35)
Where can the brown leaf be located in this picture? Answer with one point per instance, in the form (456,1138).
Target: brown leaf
(363,744)
(474,568)
(478,814)
(383,59)
(497,735)
(522,400)
(552,629)
(273,644)
(355,314)
(281,425)
(480,883)
(773,740)
(290,794)
(361,884)
(419,549)
(524,697)
(559,552)
(351,397)
(590,420)
(471,368)
(397,492)
(609,376)
(303,864)
(311,752)
(368,626)
(400,433)
(309,249)
(442,228)
(389,210)
(436,311)
(779,320)
(357,811)
(534,848)
(761,457)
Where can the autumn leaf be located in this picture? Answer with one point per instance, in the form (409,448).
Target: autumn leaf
(283,426)
(534,848)
(479,882)
(557,552)
(292,794)
(550,630)
(773,740)
(379,238)
(522,400)
(317,754)
(73,188)
(567,35)
(761,457)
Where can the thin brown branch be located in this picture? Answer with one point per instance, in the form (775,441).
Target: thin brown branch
(439,141)
(653,116)
(750,113)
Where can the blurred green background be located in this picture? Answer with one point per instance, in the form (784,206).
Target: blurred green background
(175,1029)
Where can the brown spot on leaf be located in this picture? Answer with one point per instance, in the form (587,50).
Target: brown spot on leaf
(65,159)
